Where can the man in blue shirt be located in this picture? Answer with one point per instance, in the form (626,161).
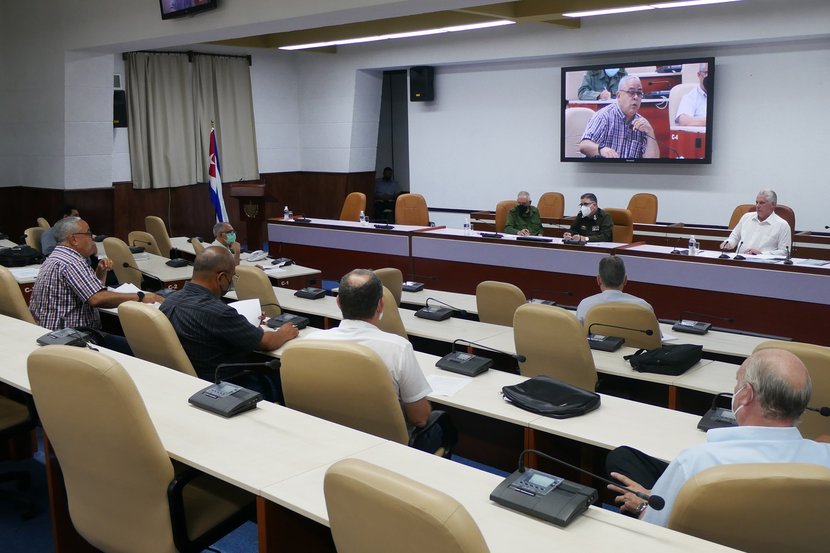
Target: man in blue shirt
(772,390)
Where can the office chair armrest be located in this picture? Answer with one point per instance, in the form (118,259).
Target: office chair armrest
(449,434)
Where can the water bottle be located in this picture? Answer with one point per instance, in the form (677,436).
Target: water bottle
(362,219)
(466,226)
(692,246)
(286,214)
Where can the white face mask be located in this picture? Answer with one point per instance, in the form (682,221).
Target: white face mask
(735,411)
(380,317)
(585,210)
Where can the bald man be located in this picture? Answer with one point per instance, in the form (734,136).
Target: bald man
(211,331)
(772,389)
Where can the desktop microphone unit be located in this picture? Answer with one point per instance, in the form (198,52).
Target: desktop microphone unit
(738,256)
(490,235)
(437,313)
(468,364)
(697,327)
(823,411)
(789,260)
(723,254)
(534,238)
(611,343)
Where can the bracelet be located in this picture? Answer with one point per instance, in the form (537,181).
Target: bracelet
(642,507)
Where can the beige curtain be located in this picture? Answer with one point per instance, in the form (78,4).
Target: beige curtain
(171,105)
(222,94)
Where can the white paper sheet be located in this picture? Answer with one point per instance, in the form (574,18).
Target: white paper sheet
(22,273)
(446,386)
(250,309)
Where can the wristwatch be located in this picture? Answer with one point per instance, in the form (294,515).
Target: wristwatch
(140,295)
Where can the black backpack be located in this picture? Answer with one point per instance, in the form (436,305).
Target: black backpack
(20,256)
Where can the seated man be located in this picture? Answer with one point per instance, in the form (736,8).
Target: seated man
(772,390)
(47,239)
(68,292)
(762,230)
(592,223)
(524,218)
(386,191)
(692,109)
(361,300)
(611,280)
(225,237)
(212,332)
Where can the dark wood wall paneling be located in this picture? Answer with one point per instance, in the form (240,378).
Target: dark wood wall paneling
(186,210)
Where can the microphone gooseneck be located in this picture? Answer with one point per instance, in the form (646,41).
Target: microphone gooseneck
(518,357)
(738,255)
(646,331)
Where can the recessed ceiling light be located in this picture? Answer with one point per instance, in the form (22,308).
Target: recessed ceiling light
(392,36)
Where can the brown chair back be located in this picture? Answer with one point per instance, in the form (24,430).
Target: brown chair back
(253,283)
(12,302)
(629,315)
(497,302)
(33,235)
(411,209)
(623,225)
(198,245)
(643,208)
(374,510)
(739,212)
(43,223)
(502,209)
(152,337)
(120,253)
(710,503)
(144,240)
(155,226)
(392,279)
(554,343)
(391,321)
(551,205)
(352,206)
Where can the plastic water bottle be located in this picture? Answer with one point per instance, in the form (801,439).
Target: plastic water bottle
(466,226)
(362,219)
(692,246)
(286,214)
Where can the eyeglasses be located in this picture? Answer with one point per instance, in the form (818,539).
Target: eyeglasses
(631,92)
(586,203)
(88,233)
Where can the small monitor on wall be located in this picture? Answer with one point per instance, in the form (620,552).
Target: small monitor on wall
(181,8)
(642,112)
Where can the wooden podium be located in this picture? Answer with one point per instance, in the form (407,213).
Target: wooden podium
(252,199)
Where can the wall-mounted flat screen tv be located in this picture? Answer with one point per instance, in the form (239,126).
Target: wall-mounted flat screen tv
(181,8)
(644,112)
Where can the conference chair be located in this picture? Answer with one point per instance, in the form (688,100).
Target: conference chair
(391,278)
(554,343)
(145,240)
(16,420)
(627,315)
(551,205)
(43,223)
(252,282)
(120,254)
(502,209)
(623,225)
(497,302)
(352,206)
(152,337)
(12,302)
(783,211)
(124,493)
(643,208)
(675,96)
(155,226)
(576,119)
(757,508)
(198,245)
(739,212)
(391,321)
(374,510)
(33,235)
(411,209)
(348,383)
(817,360)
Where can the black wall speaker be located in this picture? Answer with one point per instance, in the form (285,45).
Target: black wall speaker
(421,84)
(119,108)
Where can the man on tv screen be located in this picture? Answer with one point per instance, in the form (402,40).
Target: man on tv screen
(617,130)
(692,109)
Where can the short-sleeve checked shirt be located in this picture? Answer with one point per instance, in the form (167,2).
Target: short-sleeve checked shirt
(62,290)
(609,129)
(211,332)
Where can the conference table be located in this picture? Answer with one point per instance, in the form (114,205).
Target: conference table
(759,294)
(281,456)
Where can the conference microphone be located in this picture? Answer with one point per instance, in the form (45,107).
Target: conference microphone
(654,501)
(677,249)
(659,142)
(826,226)
(437,313)
(128,266)
(707,316)
(697,327)
(738,256)
(823,411)
(518,357)
(723,254)
(789,260)
(611,343)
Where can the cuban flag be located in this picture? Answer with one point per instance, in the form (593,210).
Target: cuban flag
(216,181)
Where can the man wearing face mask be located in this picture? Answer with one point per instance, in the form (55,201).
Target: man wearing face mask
(692,109)
(524,218)
(601,84)
(212,332)
(226,237)
(772,390)
(592,224)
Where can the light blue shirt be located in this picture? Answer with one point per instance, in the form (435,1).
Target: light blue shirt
(727,446)
(606,297)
